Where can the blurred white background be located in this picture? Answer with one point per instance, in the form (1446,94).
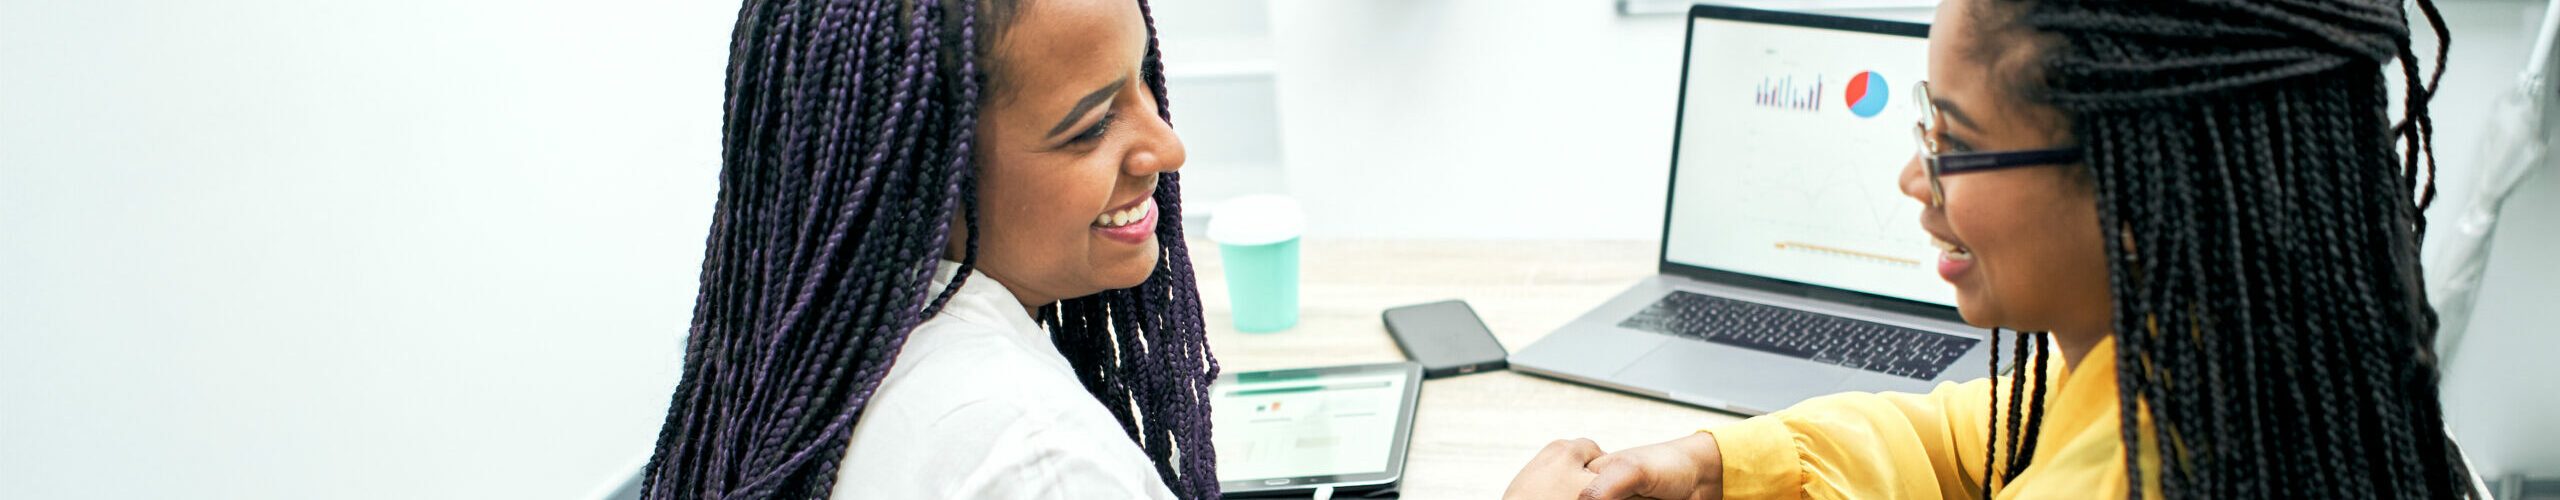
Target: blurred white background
(447,248)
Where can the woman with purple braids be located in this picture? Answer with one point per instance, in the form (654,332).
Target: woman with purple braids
(946,262)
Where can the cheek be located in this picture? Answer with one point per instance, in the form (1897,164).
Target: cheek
(2010,236)
(1047,202)
(2034,249)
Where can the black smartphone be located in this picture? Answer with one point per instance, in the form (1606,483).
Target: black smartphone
(1446,337)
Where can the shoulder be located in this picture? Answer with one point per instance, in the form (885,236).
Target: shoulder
(994,450)
(958,365)
(970,410)
(1071,458)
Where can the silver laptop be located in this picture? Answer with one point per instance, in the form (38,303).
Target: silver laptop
(1792,265)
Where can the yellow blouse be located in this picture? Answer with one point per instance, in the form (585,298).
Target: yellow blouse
(1895,445)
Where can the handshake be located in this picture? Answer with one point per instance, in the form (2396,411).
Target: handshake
(1686,468)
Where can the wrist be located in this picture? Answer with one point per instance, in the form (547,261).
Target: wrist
(1701,449)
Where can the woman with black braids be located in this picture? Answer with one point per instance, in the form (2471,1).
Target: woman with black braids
(946,262)
(2206,205)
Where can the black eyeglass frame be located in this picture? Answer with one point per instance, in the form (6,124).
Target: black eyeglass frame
(1944,164)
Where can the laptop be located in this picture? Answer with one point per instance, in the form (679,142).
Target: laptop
(1792,265)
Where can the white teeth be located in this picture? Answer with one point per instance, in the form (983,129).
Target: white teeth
(1124,217)
(1954,253)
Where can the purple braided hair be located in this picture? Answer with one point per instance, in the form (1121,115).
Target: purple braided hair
(847,148)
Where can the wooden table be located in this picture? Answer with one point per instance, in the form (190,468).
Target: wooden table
(1472,432)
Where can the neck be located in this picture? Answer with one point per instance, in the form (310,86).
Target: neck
(1031,301)
(2076,344)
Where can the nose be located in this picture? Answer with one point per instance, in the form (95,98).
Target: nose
(1915,180)
(1157,150)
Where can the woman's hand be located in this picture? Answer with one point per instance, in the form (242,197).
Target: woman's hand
(1556,473)
(1689,467)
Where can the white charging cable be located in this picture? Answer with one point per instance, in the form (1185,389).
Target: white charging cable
(1324,493)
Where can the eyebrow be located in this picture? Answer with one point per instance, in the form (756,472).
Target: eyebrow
(1949,108)
(1087,104)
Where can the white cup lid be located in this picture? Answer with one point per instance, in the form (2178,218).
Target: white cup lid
(1260,219)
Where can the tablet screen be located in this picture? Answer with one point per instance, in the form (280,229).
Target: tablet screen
(1306,425)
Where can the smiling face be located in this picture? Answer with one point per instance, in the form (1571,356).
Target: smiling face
(2023,243)
(1069,148)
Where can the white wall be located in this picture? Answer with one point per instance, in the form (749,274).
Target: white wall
(334,249)
(2502,391)
(1476,119)
(1219,71)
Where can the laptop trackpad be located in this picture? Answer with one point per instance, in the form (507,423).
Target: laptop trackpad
(1747,381)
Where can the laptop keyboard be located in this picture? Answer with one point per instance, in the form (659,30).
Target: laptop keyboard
(1822,338)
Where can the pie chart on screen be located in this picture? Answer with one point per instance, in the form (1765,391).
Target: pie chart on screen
(1866,94)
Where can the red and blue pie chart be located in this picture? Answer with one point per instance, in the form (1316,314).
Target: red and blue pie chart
(1866,94)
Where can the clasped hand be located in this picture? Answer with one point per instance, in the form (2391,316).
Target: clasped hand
(1685,468)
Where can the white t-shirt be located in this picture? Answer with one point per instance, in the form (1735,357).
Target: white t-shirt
(981,405)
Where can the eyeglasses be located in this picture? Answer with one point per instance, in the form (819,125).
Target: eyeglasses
(1944,164)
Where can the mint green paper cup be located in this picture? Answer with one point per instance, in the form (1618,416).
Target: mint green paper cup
(1258,243)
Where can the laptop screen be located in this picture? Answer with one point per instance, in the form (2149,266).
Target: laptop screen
(1790,143)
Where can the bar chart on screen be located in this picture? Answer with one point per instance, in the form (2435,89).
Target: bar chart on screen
(1785,92)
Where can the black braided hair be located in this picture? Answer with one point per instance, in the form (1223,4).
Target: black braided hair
(847,150)
(1991,441)
(2025,408)
(2268,313)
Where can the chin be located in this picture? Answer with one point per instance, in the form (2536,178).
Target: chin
(1977,311)
(1128,273)
(1123,284)
(1977,320)
(1980,314)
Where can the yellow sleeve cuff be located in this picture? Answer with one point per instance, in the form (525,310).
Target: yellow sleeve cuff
(1760,459)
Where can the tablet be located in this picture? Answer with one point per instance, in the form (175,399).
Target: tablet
(1291,431)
